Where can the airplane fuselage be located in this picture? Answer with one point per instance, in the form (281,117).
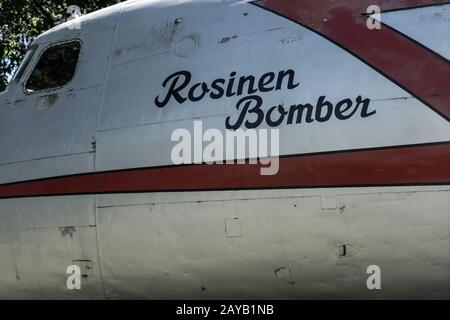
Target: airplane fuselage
(87,176)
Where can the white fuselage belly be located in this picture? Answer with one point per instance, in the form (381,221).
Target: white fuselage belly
(267,244)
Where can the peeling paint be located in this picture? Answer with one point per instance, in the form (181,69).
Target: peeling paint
(47,101)
(343,250)
(67,231)
(226,39)
(286,41)
(285,275)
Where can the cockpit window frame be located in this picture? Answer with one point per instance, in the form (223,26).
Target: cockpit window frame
(38,58)
(25,64)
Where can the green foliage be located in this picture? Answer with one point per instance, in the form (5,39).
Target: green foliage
(23,20)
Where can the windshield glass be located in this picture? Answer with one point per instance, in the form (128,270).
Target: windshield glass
(56,67)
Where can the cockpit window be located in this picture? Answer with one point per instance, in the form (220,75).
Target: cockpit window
(23,66)
(55,68)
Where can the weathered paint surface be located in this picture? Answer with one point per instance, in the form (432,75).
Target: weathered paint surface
(86,176)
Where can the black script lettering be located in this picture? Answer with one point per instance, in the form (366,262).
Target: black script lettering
(298,109)
(217,90)
(320,104)
(204,88)
(256,109)
(366,103)
(342,107)
(175,88)
(276,123)
(230,92)
(265,80)
(250,86)
(291,74)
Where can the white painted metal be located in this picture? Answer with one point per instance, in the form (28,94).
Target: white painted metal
(176,245)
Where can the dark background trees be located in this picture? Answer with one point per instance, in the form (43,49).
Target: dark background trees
(23,20)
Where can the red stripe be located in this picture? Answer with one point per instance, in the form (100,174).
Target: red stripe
(397,166)
(415,68)
(55,186)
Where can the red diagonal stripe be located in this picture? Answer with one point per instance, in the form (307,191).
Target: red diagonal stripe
(414,165)
(416,69)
